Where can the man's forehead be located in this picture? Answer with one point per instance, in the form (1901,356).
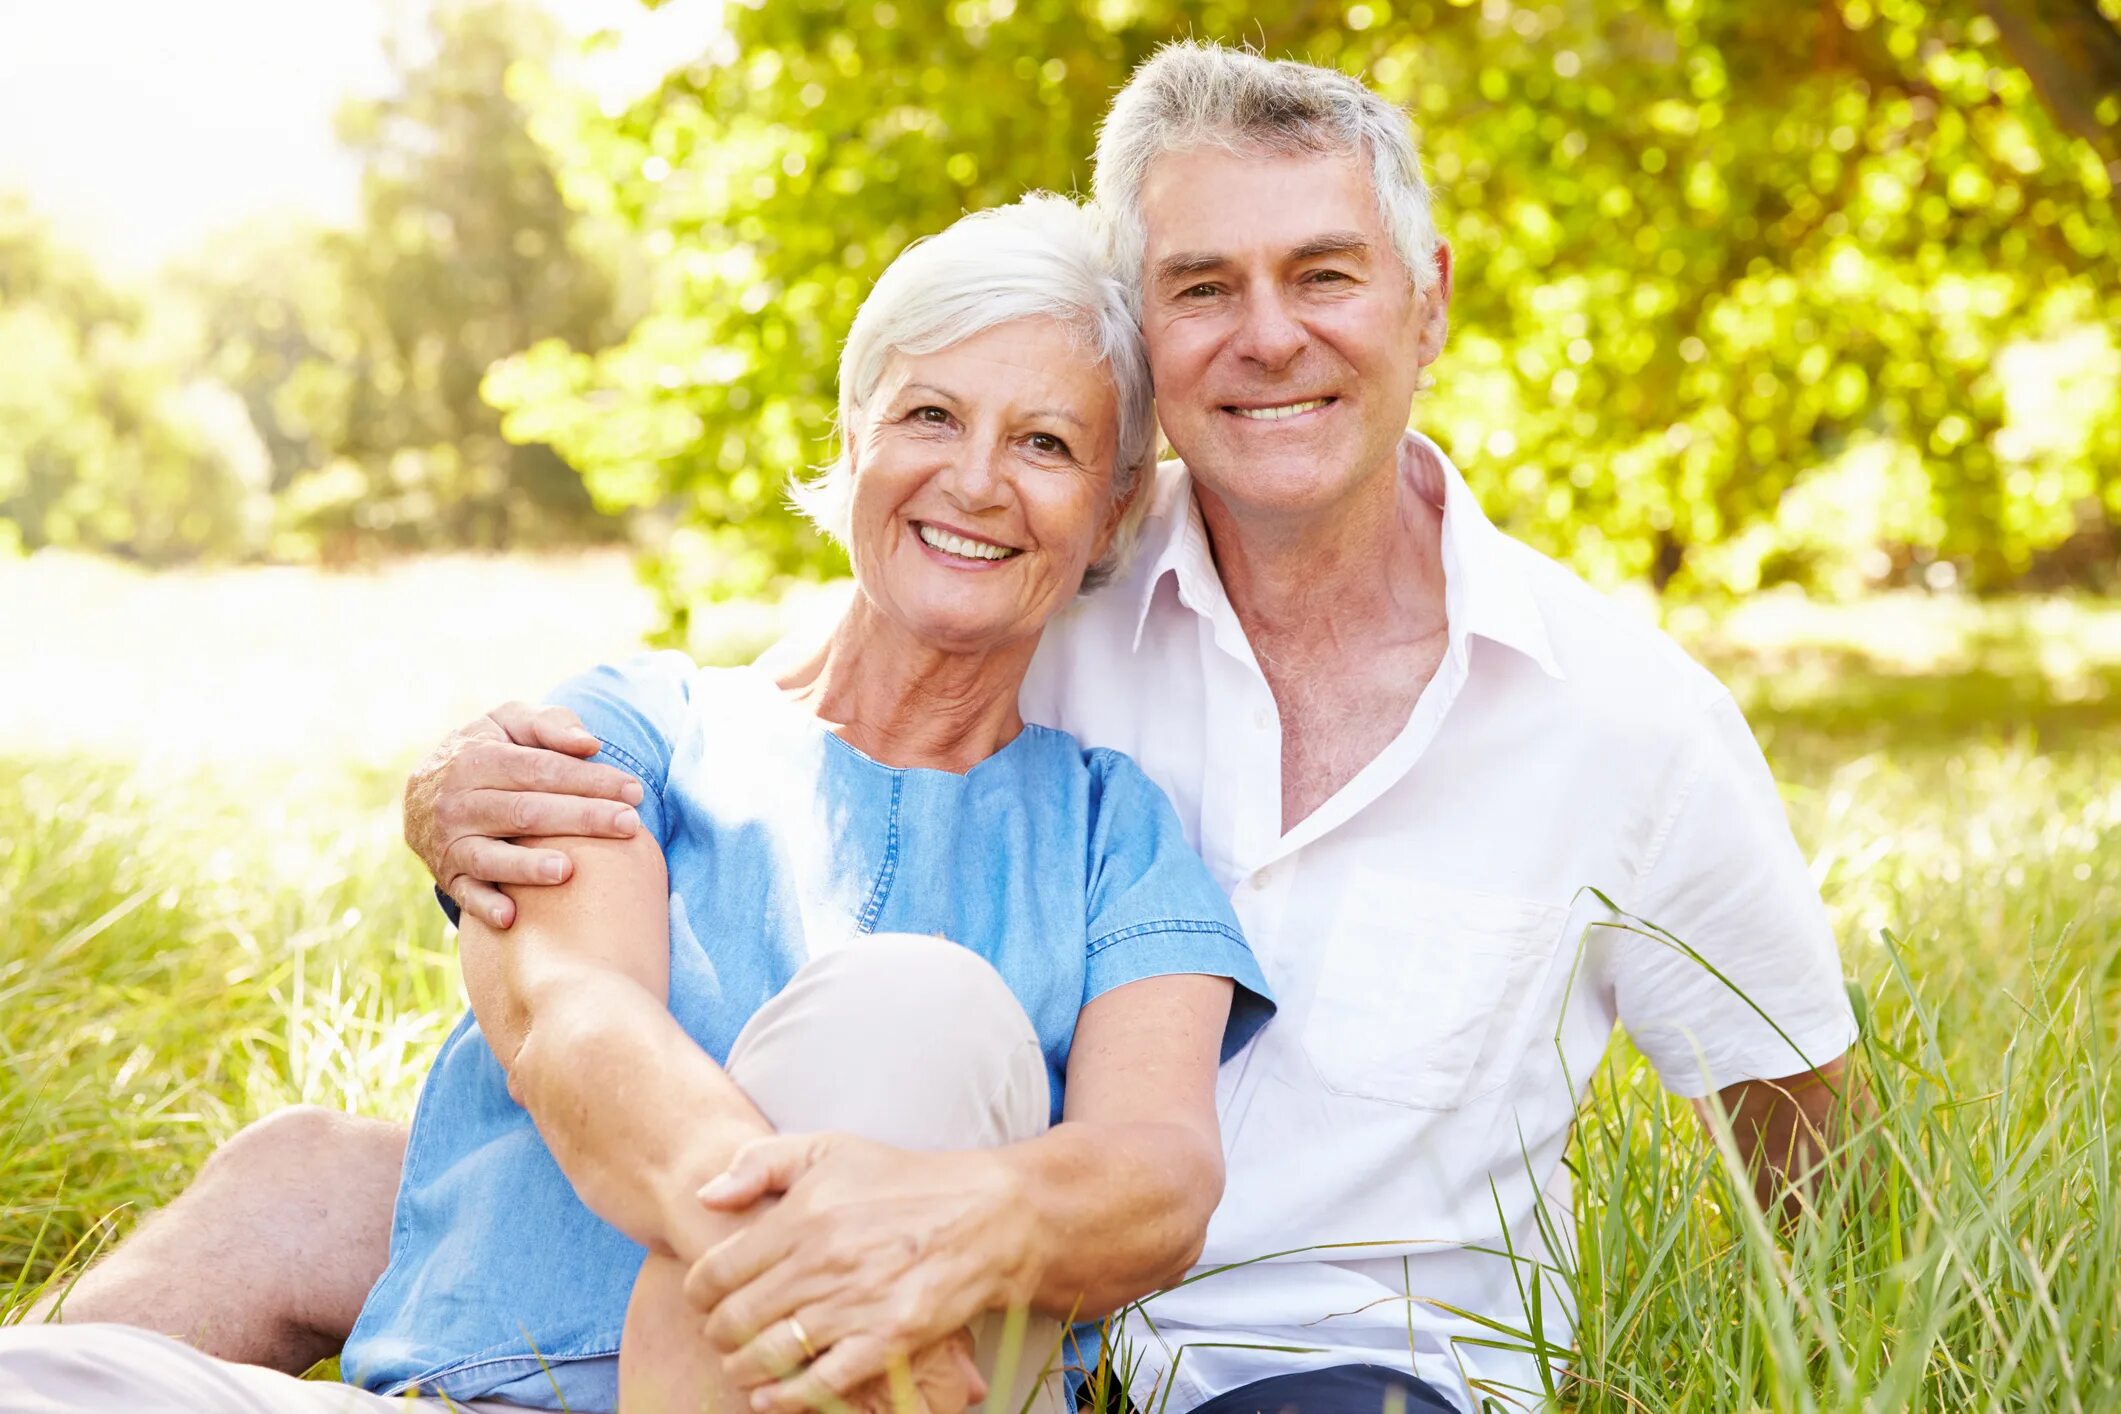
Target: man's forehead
(1216,200)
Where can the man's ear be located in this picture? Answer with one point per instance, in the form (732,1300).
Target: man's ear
(1435,309)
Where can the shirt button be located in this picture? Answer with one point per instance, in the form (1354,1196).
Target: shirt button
(1263,719)
(1261,878)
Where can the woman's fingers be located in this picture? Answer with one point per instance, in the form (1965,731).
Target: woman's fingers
(777,1351)
(735,1265)
(761,1167)
(848,1365)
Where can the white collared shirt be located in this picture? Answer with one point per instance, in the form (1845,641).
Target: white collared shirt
(1429,932)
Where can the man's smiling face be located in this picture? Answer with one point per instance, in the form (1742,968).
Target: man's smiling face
(1285,336)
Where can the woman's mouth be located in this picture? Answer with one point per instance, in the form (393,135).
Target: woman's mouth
(962,547)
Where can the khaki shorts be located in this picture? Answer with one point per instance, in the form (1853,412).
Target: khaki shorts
(48,1368)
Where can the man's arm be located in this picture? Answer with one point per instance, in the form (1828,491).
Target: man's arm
(574,1002)
(513,772)
(1785,1129)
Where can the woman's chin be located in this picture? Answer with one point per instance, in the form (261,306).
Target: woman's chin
(964,631)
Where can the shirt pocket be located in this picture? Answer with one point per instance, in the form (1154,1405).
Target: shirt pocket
(1425,990)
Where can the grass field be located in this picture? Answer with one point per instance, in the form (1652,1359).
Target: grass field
(204,915)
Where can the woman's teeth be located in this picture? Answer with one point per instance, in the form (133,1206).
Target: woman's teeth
(1276,414)
(958,545)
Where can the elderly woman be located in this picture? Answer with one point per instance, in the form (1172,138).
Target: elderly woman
(869,900)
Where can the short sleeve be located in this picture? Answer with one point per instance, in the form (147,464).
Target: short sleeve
(636,710)
(633,709)
(1727,881)
(1155,910)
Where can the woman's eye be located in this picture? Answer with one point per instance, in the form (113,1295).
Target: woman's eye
(933,416)
(1049,444)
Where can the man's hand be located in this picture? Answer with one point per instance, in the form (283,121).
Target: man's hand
(877,1251)
(1786,1129)
(515,771)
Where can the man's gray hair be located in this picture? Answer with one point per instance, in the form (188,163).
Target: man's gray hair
(1193,94)
(1042,256)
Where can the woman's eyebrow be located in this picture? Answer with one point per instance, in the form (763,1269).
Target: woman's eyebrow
(1058,415)
(944,393)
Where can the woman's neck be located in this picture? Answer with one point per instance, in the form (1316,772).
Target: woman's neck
(907,703)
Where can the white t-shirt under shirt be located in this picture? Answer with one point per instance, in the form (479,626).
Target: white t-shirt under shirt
(1446,979)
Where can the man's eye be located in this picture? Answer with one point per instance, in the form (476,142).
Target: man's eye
(1327,277)
(1201,291)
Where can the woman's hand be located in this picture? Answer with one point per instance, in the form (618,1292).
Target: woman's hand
(877,1252)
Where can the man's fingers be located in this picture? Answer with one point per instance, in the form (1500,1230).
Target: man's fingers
(503,766)
(489,905)
(554,728)
(492,861)
(498,815)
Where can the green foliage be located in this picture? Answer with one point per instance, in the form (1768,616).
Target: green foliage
(1744,292)
(360,354)
(102,441)
(317,392)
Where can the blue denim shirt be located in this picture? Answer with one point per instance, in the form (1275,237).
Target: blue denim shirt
(1065,868)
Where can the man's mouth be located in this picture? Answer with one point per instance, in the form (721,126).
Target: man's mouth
(962,546)
(1279,412)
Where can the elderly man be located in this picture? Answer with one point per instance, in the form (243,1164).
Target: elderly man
(1421,757)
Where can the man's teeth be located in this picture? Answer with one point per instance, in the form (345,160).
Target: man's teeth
(958,545)
(1277,414)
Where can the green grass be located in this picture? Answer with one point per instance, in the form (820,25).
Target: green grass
(181,955)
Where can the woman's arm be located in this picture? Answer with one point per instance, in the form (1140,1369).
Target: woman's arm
(573,1000)
(1104,1208)
(1121,1191)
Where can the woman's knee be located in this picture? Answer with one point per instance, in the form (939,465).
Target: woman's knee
(913,1040)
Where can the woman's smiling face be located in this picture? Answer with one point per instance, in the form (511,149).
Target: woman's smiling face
(982,484)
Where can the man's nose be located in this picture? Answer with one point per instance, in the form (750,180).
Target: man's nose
(1271,335)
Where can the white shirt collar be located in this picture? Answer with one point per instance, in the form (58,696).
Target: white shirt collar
(1485,590)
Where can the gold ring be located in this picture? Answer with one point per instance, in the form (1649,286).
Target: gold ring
(802,1338)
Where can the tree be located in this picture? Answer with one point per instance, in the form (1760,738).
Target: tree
(360,354)
(1739,283)
(105,440)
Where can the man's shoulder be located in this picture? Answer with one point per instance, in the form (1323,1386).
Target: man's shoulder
(1615,659)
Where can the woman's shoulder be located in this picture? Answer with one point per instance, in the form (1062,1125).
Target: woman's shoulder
(1113,777)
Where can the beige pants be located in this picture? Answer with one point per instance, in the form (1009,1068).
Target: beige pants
(912,1041)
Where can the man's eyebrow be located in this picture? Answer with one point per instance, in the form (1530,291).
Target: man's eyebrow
(1188,262)
(1332,243)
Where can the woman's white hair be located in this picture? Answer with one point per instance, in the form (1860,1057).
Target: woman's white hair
(1192,94)
(1042,256)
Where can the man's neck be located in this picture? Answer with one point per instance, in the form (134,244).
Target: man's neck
(1372,560)
(1344,609)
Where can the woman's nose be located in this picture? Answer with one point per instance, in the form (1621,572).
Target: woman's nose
(975,479)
